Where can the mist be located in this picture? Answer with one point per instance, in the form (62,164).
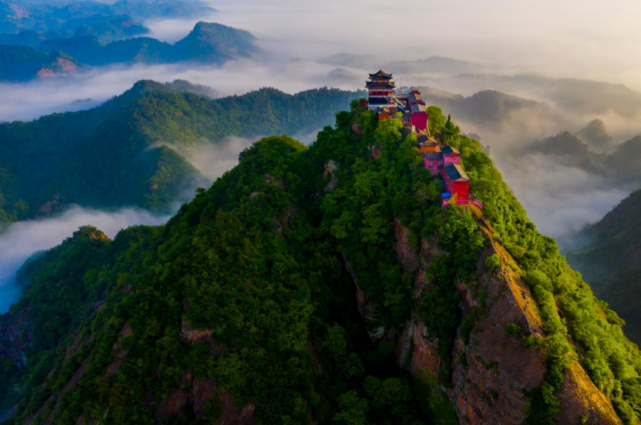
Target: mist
(560,200)
(23,239)
(213,160)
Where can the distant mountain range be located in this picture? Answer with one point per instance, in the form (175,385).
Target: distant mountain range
(207,43)
(18,63)
(65,18)
(432,64)
(571,95)
(123,152)
(583,97)
(584,150)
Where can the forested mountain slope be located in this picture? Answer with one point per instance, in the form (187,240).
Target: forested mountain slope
(611,261)
(121,152)
(321,284)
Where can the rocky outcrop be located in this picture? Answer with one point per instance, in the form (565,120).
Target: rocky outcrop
(15,336)
(582,402)
(330,170)
(201,396)
(493,369)
(406,255)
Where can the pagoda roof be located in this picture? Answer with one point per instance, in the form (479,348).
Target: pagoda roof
(422,138)
(417,108)
(456,174)
(380,85)
(449,150)
(381,75)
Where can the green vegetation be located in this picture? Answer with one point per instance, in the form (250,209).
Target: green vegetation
(256,266)
(611,261)
(493,262)
(577,324)
(123,152)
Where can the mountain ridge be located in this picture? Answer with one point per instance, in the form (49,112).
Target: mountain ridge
(209,43)
(245,305)
(139,131)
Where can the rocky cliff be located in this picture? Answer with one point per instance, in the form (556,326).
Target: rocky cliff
(494,369)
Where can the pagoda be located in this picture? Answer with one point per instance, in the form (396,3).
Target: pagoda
(381,90)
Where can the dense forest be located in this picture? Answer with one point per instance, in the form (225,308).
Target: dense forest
(123,152)
(243,307)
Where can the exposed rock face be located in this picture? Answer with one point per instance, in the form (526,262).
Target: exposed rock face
(15,336)
(330,170)
(196,394)
(582,400)
(493,371)
(406,255)
(366,309)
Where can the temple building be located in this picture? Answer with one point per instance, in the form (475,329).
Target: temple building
(381,91)
(417,111)
(457,183)
(443,160)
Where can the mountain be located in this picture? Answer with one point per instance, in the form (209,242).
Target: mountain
(611,261)
(351,60)
(209,43)
(125,151)
(215,43)
(89,50)
(582,97)
(26,38)
(19,15)
(488,106)
(596,135)
(621,165)
(567,148)
(433,65)
(21,63)
(320,284)
(111,28)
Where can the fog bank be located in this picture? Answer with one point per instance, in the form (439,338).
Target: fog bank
(21,240)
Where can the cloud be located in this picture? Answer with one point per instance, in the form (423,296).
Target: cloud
(213,160)
(21,240)
(59,94)
(559,199)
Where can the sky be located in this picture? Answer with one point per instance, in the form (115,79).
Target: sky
(586,38)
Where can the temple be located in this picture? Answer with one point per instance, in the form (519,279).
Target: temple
(442,160)
(380,89)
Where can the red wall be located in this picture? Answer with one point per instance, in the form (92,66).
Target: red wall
(419,120)
(461,189)
(431,165)
(451,159)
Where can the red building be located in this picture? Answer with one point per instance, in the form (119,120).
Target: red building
(418,116)
(457,182)
(433,161)
(381,90)
(450,155)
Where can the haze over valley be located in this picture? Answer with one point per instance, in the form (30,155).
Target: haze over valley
(193,192)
